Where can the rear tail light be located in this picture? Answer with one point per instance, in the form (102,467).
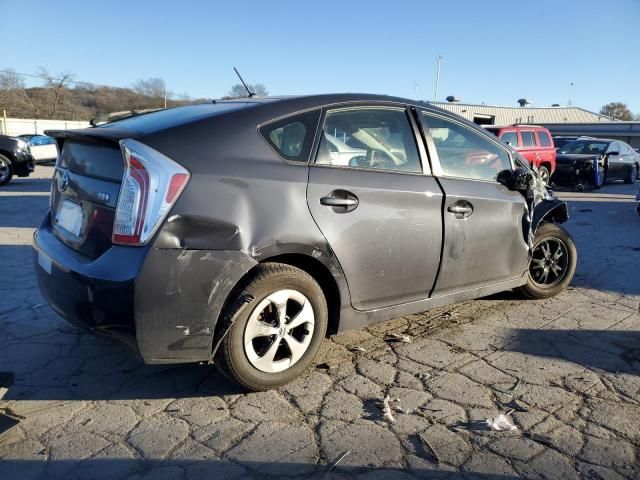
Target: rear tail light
(151,184)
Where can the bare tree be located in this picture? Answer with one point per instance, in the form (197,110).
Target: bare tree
(57,87)
(152,88)
(238,90)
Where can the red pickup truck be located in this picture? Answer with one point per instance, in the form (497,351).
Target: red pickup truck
(532,142)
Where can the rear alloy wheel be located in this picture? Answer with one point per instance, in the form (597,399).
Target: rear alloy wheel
(544,174)
(278,333)
(553,262)
(632,175)
(6,170)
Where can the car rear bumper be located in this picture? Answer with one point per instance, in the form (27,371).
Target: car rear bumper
(94,294)
(162,302)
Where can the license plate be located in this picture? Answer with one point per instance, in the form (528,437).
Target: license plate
(69,217)
(45,262)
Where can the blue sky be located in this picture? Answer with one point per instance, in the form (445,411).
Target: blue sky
(494,51)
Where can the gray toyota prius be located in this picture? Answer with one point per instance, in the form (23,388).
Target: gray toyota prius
(243,232)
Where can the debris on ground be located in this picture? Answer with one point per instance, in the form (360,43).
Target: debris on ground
(357,349)
(397,338)
(323,366)
(424,376)
(425,441)
(512,390)
(515,406)
(500,423)
(36,307)
(340,458)
(386,410)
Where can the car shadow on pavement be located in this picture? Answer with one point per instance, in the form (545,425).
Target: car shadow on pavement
(214,468)
(28,185)
(613,351)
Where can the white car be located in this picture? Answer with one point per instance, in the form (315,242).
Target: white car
(341,153)
(43,148)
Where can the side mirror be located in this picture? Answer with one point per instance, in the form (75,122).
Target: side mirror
(613,153)
(518,179)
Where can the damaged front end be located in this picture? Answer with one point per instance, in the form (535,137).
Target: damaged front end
(541,203)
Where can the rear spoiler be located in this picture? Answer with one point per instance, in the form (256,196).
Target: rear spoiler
(109,134)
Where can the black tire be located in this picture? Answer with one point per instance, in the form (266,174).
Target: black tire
(232,357)
(551,234)
(6,170)
(632,175)
(544,174)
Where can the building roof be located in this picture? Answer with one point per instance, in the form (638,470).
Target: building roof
(533,115)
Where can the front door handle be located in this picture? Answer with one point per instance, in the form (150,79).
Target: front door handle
(461,209)
(340,201)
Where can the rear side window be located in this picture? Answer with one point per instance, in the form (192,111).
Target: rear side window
(378,138)
(93,160)
(528,139)
(292,137)
(543,138)
(511,138)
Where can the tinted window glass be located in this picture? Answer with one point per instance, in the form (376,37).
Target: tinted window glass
(292,136)
(590,147)
(511,138)
(465,153)
(149,122)
(378,138)
(543,138)
(93,160)
(528,140)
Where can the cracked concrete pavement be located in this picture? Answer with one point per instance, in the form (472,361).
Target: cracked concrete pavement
(566,371)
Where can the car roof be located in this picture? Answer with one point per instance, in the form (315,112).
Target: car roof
(276,107)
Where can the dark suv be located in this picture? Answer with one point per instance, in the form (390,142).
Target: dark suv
(15,158)
(244,231)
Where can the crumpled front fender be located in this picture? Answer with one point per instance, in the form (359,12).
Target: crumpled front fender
(554,210)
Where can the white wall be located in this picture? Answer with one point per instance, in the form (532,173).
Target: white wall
(18,126)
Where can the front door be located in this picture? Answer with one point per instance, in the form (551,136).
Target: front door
(483,220)
(378,210)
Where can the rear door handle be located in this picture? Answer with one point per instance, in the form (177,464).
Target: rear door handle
(340,201)
(461,209)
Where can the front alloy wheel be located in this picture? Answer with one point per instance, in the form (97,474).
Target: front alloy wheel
(553,262)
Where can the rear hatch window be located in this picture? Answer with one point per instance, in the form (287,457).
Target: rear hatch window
(84,192)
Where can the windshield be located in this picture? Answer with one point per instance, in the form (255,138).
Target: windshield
(591,147)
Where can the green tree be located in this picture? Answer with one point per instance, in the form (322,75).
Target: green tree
(617,110)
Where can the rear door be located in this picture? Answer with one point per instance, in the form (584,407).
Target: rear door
(483,220)
(529,148)
(85,189)
(547,151)
(616,167)
(373,202)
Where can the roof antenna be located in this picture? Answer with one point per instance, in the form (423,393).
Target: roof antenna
(251,94)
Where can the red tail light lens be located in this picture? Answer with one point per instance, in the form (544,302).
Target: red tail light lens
(151,184)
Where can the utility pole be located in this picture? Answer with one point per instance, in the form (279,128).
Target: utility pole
(570,86)
(165,98)
(415,91)
(438,60)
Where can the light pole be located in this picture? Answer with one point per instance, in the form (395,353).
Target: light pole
(438,60)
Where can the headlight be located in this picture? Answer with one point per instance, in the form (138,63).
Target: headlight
(23,145)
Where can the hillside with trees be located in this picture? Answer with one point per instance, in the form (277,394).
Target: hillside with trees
(61,97)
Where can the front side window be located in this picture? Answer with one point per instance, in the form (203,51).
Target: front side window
(292,136)
(464,153)
(376,138)
(510,137)
(543,138)
(528,139)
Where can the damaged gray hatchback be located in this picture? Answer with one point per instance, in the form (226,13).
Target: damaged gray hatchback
(242,232)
